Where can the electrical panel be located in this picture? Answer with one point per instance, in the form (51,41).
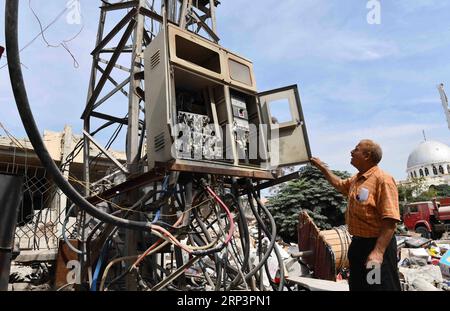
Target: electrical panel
(205,109)
(196,138)
(241,126)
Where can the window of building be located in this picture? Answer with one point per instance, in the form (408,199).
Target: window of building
(441,170)
(448,169)
(421,172)
(415,174)
(412,175)
(435,172)
(427,172)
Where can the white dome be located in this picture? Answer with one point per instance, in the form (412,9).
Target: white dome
(429,152)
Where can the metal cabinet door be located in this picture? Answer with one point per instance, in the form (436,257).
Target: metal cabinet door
(283,115)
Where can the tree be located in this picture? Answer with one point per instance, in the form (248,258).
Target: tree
(409,192)
(414,188)
(441,190)
(313,193)
(416,191)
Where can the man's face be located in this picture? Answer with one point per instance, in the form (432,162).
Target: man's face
(359,156)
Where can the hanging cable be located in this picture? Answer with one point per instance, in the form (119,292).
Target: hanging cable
(272,235)
(20,94)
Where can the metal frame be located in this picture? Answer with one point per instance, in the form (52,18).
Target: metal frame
(137,35)
(201,218)
(294,88)
(133,35)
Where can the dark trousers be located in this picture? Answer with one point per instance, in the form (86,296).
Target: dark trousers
(363,279)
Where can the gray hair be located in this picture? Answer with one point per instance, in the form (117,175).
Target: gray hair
(371,147)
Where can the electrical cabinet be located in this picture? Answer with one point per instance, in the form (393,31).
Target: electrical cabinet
(202,108)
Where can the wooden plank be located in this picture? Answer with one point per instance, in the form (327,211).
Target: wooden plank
(36,256)
(217,169)
(65,255)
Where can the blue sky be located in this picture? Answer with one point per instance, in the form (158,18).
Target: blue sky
(356,80)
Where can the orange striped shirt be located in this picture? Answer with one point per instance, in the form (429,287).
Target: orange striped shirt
(372,197)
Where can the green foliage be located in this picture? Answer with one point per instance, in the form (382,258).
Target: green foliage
(407,192)
(441,190)
(427,195)
(417,192)
(313,193)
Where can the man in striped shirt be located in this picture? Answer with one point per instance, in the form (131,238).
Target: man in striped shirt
(372,214)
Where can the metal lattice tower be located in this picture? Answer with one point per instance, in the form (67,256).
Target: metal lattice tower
(138,22)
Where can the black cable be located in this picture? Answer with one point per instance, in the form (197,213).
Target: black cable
(108,145)
(225,265)
(20,95)
(236,253)
(245,241)
(141,140)
(273,235)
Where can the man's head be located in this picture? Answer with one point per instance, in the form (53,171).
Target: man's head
(366,155)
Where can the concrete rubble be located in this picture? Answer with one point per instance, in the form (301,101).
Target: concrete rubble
(421,264)
(33,276)
(421,267)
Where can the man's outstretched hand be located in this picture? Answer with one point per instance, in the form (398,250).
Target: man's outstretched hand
(317,163)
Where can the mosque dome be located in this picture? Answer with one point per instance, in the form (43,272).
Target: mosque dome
(429,152)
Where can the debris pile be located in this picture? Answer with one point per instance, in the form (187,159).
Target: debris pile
(424,264)
(35,276)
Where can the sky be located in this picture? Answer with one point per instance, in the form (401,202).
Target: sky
(356,80)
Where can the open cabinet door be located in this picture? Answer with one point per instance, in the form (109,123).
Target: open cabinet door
(288,139)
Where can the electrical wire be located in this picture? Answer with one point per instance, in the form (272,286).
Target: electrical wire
(108,267)
(63,43)
(65,285)
(272,239)
(271,235)
(39,34)
(20,94)
(227,211)
(64,229)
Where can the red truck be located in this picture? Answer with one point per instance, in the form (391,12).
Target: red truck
(431,218)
